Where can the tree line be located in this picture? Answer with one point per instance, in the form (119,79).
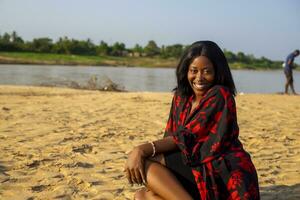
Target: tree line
(64,45)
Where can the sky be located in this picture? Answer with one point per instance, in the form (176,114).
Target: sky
(269,28)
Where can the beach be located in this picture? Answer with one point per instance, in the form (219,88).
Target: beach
(59,143)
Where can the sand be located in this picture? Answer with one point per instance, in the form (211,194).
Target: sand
(70,144)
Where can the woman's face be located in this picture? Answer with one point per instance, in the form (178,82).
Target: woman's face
(201,75)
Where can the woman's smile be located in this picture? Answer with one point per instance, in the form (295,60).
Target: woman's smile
(200,86)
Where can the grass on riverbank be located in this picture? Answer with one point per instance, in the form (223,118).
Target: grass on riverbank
(61,59)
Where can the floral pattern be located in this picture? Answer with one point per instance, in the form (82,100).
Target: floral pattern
(208,140)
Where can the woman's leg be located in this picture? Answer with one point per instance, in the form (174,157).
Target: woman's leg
(145,194)
(163,183)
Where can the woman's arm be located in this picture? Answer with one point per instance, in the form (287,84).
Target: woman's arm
(135,165)
(161,146)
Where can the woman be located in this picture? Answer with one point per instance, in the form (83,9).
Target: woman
(200,156)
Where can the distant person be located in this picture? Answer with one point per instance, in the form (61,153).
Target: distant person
(200,156)
(288,71)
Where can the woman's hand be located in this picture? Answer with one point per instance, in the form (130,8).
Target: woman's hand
(135,166)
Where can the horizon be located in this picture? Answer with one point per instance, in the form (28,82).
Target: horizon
(264,29)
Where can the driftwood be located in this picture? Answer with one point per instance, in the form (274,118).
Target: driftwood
(103,84)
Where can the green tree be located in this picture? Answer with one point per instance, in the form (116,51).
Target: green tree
(151,49)
(6,37)
(15,38)
(82,47)
(118,49)
(231,57)
(11,42)
(138,49)
(175,51)
(103,49)
(241,57)
(42,45)
(62,46)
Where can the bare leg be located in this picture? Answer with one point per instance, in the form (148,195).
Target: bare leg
(163,183)
(145,194)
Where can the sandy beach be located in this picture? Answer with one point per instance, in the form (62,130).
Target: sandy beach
(70,144)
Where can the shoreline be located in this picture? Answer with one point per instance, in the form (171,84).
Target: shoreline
(118,89)
(79,60)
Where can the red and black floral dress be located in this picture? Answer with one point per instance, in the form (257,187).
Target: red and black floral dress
(210,148)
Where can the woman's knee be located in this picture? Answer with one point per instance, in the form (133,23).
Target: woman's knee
(140,194)
(146,194)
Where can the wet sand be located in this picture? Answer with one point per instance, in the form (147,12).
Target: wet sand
(70,144)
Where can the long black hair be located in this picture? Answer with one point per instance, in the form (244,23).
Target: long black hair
(213,52)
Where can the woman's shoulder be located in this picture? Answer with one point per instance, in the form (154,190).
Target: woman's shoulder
(178,99)
(220,91)
(178,96)
(219,96)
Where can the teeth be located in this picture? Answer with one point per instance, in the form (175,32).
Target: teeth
(198,86)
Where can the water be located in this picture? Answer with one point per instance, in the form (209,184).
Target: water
(136,79)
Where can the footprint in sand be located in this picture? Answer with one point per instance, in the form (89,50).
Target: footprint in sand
(39,188)
(95,183)
(85,148)
(33,164)
(79,164)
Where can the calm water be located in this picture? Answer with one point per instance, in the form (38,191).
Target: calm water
(136,79)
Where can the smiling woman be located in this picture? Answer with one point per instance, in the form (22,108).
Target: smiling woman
(200,156)
(201,76)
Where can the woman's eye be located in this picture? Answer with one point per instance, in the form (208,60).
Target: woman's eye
(193,71)
(207,71)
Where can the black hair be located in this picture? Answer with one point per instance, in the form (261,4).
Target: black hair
(297,51)
(213,52)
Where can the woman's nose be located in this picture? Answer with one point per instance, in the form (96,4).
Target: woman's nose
(199,76)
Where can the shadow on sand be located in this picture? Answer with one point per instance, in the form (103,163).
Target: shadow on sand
(280,192)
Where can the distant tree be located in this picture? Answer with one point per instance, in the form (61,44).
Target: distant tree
(42,45)
(241,57)
(231,57)
(91,47)
(15,38)
(103,49)
(62,46)
(175,51)
(118,49)
(151,49)
(6,37)
(82,47)
(11,42)
(138,49)
(265,62)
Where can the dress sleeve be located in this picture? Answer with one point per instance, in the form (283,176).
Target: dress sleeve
(171,125)
(204,136)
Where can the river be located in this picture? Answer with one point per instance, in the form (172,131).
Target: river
(135,78)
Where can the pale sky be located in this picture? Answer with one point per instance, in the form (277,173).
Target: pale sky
(269,28)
